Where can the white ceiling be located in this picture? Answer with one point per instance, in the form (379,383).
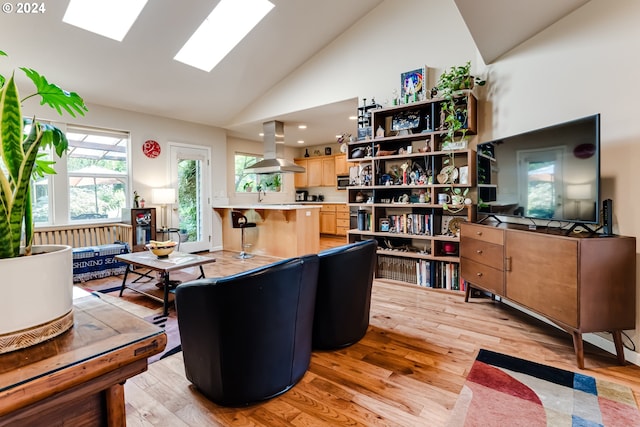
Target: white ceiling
(139,73)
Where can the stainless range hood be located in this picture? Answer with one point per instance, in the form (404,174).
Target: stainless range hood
(274,160)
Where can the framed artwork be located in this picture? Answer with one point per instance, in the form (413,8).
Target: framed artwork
(413,82)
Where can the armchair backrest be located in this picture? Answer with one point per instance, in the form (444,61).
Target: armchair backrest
(343,299)
(247,337)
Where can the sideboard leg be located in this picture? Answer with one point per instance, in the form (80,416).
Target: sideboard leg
(617,340)
(467,292)
(578,348)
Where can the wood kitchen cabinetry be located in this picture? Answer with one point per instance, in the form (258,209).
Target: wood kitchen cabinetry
(342,219)
(582,284)
(320,171)
(328,219)
(342,167)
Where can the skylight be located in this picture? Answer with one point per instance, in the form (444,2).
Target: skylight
(229,22)
(109,18)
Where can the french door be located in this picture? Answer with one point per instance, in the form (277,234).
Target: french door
(190,175)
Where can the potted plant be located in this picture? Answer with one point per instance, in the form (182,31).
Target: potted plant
(451,84)
(34,308)
(248,186)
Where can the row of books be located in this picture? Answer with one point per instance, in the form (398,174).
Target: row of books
(411,223)
(429,274)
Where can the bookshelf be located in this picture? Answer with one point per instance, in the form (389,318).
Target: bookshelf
(402,173)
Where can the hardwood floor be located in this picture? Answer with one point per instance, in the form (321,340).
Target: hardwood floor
(406,371)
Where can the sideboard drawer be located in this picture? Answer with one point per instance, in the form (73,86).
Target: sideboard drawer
(482,252)
(485,277)
(482,232)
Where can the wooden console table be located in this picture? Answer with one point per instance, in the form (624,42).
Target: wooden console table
(78,377)
(580,283)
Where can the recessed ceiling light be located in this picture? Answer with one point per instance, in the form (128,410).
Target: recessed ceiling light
(229,22)
(109,18)
(300,141)
(302,126)
(353,117)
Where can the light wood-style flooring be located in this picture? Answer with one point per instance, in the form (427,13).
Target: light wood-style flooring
(407,371)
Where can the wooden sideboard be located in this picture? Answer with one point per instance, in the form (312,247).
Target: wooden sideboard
(580,283)
(78,377)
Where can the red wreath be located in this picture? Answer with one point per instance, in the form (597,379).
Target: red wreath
(151,149)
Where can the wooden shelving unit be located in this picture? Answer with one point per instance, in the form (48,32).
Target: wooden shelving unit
(418,237)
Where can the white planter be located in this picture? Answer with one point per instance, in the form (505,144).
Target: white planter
(37,297)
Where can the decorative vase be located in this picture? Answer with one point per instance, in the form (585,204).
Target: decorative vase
(37,297)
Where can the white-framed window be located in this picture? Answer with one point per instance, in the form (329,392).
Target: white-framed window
(250,182)
(91,183)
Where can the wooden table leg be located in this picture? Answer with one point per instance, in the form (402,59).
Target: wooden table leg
(578,348)
(617,340)
(116,413)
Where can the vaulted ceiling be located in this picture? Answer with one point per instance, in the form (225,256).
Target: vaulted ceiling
(139,73)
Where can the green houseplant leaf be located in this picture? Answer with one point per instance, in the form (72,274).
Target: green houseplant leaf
(21,158)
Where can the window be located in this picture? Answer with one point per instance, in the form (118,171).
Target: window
(251,182)
(93,176)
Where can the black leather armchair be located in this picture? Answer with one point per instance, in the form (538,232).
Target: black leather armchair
(247,337)
(343,299)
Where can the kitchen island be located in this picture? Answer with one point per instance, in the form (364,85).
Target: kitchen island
(282,230)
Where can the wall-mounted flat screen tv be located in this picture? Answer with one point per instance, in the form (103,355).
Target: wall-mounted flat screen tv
(549,174)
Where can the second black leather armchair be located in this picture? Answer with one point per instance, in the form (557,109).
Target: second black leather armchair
(343,300)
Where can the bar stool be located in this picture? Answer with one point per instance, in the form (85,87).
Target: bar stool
(238,220)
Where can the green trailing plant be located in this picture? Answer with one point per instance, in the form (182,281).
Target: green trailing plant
(20,143)
(450,84)
(451,189)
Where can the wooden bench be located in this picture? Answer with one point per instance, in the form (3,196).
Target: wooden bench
(94,247)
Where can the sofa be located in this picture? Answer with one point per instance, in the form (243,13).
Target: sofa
(94,247)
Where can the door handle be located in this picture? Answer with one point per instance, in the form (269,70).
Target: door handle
(507,264)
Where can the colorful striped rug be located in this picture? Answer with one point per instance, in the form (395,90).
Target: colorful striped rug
(505,391)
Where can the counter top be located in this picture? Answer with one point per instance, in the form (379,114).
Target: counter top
(266,206)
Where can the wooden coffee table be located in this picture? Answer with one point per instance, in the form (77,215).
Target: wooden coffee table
(77,378)
(175,261)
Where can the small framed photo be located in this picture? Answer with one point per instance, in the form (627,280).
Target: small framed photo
(412,84)
(385,224)
(327,151)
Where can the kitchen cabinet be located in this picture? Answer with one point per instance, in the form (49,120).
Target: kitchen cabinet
(580,283)
(314,172)
(320,171)
(342,219)
(300,179)
(342,167)
(328,219)
(329,172)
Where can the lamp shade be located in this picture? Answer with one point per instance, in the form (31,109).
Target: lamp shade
(579,191)
(163,196)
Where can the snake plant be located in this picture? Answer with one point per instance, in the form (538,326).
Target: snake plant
(21,161)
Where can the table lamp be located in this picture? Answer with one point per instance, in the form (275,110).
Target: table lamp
(578,192)
(163,197)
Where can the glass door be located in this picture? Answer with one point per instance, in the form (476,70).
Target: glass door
(190,176)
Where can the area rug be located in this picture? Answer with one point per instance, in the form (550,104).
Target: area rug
(170,326)
(502,390)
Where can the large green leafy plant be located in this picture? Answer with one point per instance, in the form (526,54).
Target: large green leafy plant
(20,142)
